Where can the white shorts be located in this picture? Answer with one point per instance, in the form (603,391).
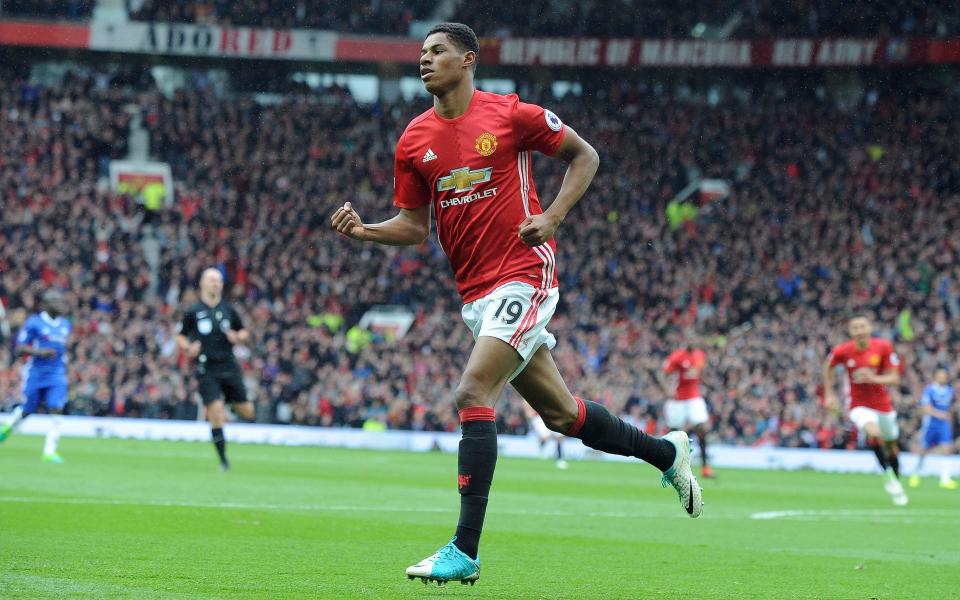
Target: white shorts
(685,413)
(887,421)
(516,313)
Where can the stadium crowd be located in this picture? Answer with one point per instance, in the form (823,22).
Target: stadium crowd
(832,210)
(48,9)
(348,16)
(758,18)
(613,18)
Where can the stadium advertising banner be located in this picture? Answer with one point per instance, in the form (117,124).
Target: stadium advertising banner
(315,45)
(143,179)
(203,40)
(586,52)
(742,457)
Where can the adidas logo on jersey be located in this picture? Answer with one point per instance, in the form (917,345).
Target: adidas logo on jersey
(429,155)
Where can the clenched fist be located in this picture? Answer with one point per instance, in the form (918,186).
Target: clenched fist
(345,220)
(537,229)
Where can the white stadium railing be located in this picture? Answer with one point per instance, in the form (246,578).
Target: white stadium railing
(417,441)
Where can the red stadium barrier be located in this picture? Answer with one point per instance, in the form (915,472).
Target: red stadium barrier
(364,49)
(44,35)
(943,51)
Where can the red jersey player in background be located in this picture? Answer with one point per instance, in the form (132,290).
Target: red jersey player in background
(688,409)
(468,159)
(871,366)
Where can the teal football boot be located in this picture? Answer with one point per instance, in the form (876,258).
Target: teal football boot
(447,564)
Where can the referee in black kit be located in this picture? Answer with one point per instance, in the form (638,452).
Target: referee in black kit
(208,333)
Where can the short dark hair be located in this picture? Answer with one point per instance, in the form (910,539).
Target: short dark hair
(461,35)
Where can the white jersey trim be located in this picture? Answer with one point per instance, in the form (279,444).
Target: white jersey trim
(544,251)
(523,168)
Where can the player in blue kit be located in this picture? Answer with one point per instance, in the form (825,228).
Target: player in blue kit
(937,404)
(43,338)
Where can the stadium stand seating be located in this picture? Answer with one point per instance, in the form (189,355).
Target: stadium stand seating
(833,209)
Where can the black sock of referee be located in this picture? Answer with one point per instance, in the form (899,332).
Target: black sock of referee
(220,443)
(597,428)
(702,440)
(475,464)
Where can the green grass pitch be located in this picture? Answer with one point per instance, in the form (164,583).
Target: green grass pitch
(128,519)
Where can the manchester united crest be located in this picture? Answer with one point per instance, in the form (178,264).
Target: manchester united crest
(486,144)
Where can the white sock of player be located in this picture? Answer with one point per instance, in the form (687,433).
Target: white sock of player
(53,437)
(16,417)
(889,475)
(944,472)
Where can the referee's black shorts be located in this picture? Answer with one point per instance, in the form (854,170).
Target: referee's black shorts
(226,383)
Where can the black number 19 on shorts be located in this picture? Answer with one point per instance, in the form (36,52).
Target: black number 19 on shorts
(514,311)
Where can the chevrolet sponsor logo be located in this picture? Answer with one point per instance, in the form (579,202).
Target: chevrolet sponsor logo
(487,193)
(464,179)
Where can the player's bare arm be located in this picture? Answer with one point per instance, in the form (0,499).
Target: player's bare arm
(38,352)
(192,349)
(938,414)
(240,336)
(829,393)
(408,228)
(867,375)
(583,162)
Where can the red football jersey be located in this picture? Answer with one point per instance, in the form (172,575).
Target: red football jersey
(879,356)
(689,366)
(475,170)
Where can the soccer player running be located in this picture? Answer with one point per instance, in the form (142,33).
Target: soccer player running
(468,158)
(937,431)
(871,365)
(688,409)
(43,338)
(208,332)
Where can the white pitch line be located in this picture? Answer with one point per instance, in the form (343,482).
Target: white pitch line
(307,507)
(227,505)
(641,513)
(814,514)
